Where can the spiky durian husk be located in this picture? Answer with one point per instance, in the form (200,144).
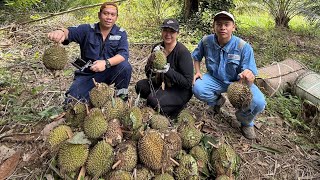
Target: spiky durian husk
(95,124)
(188,167)
(202,157)
(160,60)
(147,113)
(114,133)
(185,117)
(224,160)
(119,175)
(114,109)
(144,173)
(72,156)
(55,58)
(190,135)
(164,176)
(239,95)
(76,113)
(58,135)
(100,94)
(150,148)
(133,119)
(159,122)
(127,153)
(100,159)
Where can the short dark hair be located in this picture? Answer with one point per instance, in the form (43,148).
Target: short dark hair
(104,5)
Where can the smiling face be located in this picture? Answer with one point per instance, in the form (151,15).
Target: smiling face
(169,35)
(108,16)
(223,27)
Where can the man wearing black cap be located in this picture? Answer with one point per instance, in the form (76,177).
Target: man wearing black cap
(228,59)
(169,88)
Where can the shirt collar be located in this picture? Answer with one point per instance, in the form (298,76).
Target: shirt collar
(113,29)
(226,47)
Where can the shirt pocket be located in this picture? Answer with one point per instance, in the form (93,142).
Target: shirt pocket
(92,50)
(232,69)
(212,65)
(114,44)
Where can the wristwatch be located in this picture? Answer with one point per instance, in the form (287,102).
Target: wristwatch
(108,65)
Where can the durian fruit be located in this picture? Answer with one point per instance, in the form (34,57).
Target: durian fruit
(114,109)
(239,95)
(188,167)
(147,113)
(193,177)
(150,148)
(143,173)
(173,142)
(135,135)
(55,57)
(202,158)
(223,177)
(100,94)
(114,133)
(159,122)
(58,135)
(185,117)
(75,113)
(95,124)
(100,159)
(72,156)
(172,146)
(126,154)
(190,135)
(133,119)
(160,60)
(119,175)
(224,160)
(164,176)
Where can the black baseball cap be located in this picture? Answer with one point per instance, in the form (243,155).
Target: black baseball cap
(171,23)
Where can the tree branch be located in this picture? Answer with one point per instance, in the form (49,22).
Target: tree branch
(57,14)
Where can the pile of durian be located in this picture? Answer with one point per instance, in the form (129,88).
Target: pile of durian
(107,139)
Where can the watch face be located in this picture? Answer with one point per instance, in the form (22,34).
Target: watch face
(108,65)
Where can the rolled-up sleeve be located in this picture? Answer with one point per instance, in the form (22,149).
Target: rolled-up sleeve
(248,60)
(197,54)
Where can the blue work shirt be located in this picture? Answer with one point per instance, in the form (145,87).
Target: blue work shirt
(92,47)
(225,63)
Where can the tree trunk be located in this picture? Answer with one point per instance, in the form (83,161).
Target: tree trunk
(282,21)
(190,7)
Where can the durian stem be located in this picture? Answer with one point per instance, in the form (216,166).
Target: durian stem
(94,82)
(174,161)
(135,174)
(213,145)
(87,109)
(82,173)
(116,164)
(199,125)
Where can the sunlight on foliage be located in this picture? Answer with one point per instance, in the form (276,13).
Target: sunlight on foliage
(147,18)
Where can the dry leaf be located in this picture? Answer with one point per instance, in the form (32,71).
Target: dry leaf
(8,167)
(5,153)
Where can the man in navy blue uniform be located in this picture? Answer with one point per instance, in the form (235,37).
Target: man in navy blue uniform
(106,45)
